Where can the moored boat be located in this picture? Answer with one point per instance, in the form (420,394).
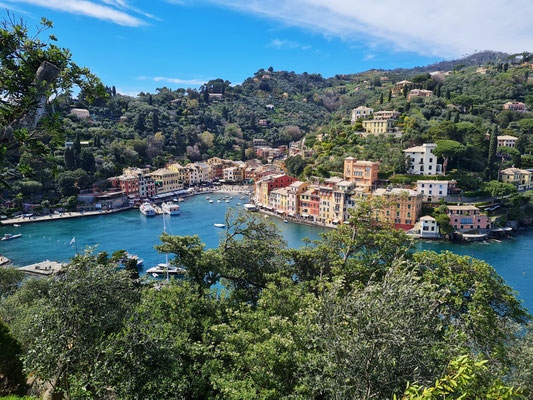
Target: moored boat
(147,209)
(219,225)
(170,208)
(165,269)
(9,236)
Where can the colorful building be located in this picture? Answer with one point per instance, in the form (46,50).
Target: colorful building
(515,106)
(507,141)
(363,173)
(517,176)
(294,191)
(361,112)
(166,180)
(402,207)
(379,126)
(310,203)
(467,218)
(435,190)
(419,93)
(264,186)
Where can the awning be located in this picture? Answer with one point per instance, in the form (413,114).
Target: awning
(335,221)
(305,215)
(292,214)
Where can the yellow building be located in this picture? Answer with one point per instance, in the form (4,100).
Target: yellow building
(166,180)
(378,126)
(183,173)
(518,177)
(402,208)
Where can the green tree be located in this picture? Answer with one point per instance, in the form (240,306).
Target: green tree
(86,302)
(70,160)
(12,376)
(87,162)
(448,149)
(499,189)
(295,165)
(10,279)
(465,378)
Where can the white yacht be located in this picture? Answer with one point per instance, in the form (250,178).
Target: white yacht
(165,269)
(147,209)
(170,208)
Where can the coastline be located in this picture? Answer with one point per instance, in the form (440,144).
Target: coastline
(242,189)
(57,217)
(417,238)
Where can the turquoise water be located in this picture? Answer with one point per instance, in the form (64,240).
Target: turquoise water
(130,230)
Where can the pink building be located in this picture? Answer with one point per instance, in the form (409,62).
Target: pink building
(466,218)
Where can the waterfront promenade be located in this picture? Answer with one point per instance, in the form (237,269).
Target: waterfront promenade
(59,216)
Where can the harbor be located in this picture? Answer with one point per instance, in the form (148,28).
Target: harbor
(137,234)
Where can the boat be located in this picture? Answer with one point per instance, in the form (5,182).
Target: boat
(181,199)
(285,221)
(227,201)
(16,225)
(165,269)
(9,236)
(218,201)
(238,204)
(147,209)
(135,257)
(250,207)
(207,197)
(219,225)
(170,208)
(210,201)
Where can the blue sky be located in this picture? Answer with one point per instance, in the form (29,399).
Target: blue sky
(141,45)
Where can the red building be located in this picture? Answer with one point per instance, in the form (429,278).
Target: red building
(129,184)
(310,204)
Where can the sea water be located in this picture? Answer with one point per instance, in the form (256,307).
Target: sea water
(131,231)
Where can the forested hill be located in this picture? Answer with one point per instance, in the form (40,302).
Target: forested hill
(221,119)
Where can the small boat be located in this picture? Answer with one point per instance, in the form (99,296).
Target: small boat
(210,201)
(135,257)
(227,201)
(207,197)
(285,221)
(250,207)
(218,201)
(181,199)
(16,225)
(9,236)
(219,225)
(170,208)
(147,209)
(165,269)
(238,204)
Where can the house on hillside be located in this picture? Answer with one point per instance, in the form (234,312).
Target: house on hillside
(515,106)
(361,112)
(422,160)
(419,93)
(507,141)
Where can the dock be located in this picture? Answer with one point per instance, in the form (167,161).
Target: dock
(44,268)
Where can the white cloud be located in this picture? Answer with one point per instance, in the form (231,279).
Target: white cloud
(87,8)
(440,27)
(369,57)
(287,44)
(191,82)
(122,4)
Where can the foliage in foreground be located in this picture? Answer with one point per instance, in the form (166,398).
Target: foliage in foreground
(353,315)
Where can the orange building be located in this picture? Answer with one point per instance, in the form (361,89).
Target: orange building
(402,208)
(363,173)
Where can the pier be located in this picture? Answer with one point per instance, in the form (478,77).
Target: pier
(44,268)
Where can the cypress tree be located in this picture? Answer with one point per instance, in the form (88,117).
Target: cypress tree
(389,97)
(155,122)
(150,100)
(77,145)
(114,91)
(70,162)
(456,118)
(493,144)
(381,98)
(448,95)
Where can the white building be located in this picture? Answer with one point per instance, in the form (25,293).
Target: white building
(361,112)
(434,190)
(428,227)
(81,113)
(423,161)
(194,174)
(203,172)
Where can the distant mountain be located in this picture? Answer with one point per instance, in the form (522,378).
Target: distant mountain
(480,58)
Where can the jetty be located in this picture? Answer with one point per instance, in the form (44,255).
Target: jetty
(44,268)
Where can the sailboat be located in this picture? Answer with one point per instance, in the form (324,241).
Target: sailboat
(165,268)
